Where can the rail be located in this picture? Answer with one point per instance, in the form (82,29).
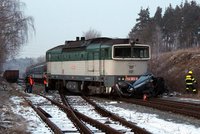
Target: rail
(40,112)
(167,106)
(124,122)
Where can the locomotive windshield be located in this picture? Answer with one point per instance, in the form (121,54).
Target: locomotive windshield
(131,52)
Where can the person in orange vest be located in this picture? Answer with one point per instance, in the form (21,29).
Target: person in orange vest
(45,83)
(31,82)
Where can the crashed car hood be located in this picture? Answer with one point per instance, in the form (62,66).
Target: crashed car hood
(142,80)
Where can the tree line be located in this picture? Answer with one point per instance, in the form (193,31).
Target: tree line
(14,28)
(176,28)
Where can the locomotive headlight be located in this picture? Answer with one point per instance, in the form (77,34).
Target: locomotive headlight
(120,78)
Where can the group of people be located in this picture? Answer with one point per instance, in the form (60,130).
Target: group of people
(190,83)
(30,82)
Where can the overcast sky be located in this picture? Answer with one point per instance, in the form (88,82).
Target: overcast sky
(59,20)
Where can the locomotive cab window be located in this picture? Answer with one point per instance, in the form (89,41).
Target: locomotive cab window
(122,52)
(140,52)
(131,52)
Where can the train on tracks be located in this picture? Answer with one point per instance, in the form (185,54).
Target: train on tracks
(94,66)
(37,71)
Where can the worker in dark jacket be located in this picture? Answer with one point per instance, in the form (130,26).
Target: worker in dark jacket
(27,84)
(45,83)
(190,83)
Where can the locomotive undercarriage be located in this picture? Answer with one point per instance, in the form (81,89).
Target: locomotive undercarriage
(94,88)
(85,87)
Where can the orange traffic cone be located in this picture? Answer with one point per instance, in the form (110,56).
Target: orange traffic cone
(144,97)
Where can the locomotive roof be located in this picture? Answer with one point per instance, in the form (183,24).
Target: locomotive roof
(85,43)
(57,48)
(82,44)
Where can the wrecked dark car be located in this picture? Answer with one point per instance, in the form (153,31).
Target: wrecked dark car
(147,84)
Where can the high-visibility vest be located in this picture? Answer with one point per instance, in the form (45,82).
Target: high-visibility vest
(45,81)
(31,81)
(189,80)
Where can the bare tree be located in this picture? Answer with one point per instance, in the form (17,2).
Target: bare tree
(92,33)
(14,27)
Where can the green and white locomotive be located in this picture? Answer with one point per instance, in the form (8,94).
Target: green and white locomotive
(96,65)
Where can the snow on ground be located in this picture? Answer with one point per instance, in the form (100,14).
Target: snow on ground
(83,107)
(183,99)
(189,100)
(150,122)
(35,124)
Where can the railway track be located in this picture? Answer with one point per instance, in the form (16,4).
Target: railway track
(87,107)
(183,108)
(83,123)
(47,112)
(92,124)
(114,117)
